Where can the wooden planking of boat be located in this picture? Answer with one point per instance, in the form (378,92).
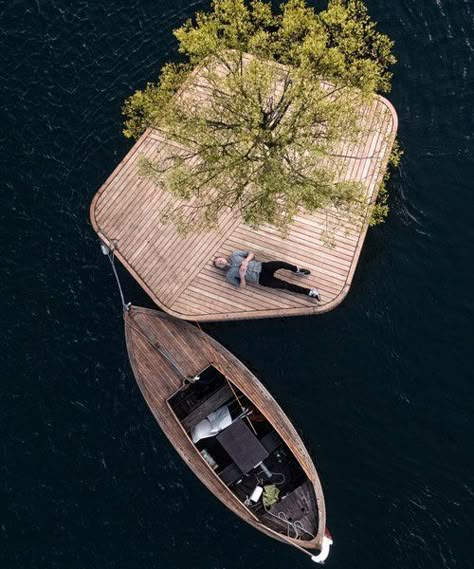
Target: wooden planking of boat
(228,429)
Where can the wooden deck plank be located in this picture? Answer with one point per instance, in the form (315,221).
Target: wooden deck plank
(121,172)
(300,248)
(123,190)
(254,300)
(140,219)
(196,259)
(265,298)
(137,207)
(210,280)
(147,228)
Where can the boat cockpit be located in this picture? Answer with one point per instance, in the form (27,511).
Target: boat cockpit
(244,450)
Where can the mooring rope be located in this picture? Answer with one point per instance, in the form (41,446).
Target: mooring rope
(109,251)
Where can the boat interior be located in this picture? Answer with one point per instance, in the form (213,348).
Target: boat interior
(247,454)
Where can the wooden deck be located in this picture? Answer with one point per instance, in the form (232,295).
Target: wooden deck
(183,350)
(177,272)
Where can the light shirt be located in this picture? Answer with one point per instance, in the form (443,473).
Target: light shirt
(253,270)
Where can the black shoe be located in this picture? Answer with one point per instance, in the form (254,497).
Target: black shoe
(302,272)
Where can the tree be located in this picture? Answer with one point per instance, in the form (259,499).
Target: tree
(263,137)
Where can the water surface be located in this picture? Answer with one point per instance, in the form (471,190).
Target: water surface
(381,388)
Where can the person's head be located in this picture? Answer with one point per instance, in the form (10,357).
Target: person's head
(220,262)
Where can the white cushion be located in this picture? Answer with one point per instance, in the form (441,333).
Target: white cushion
(212,425)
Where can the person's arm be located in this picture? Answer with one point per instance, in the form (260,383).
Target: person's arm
(242,273)
(243,268)
(240,253)
(233,277)
(250,257)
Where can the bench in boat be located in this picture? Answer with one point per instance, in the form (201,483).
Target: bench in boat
(216,400)
(242,446)
(232,473)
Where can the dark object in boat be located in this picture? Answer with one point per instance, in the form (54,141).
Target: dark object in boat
(205,399)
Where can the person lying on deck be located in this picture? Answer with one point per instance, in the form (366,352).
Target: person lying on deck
(241,268)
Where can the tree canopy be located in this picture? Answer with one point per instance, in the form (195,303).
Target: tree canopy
(278,92)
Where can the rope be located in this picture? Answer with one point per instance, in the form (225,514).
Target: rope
(109,251)
(244,410)
(297,526)
(261,481)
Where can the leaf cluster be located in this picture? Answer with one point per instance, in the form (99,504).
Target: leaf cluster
(149,107)
(340,44)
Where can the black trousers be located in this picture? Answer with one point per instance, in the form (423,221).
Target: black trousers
(268,278)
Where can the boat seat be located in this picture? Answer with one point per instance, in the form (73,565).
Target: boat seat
(213,402)
(242,446)
(230,474)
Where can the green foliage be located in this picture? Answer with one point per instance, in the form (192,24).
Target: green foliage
(367,53)
(150,106)
(249,148)
(232,24)
(395,155)
(340,43)
(380,209)
(271,495)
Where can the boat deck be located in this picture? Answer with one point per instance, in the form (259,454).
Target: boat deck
(177,271)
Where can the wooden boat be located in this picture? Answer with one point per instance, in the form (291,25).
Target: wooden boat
(228,429)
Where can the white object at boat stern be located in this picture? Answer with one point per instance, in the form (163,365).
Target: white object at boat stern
(326,546)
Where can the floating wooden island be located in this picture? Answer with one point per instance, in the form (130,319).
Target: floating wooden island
(177,271)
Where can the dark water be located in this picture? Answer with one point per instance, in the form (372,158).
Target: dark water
(381,388)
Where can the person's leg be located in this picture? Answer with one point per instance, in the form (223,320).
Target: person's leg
(270,267)
(271,281)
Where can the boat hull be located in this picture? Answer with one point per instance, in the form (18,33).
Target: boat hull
(162,352)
